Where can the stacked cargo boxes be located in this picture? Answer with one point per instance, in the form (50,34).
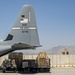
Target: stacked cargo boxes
(40,64)
(8,65)
(18,57)
(42,61)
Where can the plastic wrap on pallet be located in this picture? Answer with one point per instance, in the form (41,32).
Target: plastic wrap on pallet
(42,60)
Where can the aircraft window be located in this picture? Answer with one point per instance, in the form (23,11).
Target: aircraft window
(9,37)
(22,15)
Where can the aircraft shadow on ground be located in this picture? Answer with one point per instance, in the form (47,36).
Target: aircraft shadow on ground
(33,72)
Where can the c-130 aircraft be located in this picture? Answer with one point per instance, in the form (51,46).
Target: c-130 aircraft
(23,34)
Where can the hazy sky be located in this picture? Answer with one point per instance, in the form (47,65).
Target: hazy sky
(55,20)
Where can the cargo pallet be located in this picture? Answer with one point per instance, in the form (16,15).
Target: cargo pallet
(40,64)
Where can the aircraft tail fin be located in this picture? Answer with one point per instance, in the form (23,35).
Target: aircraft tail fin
(25,28)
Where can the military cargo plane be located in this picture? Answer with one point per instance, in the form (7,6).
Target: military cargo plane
(23,34)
